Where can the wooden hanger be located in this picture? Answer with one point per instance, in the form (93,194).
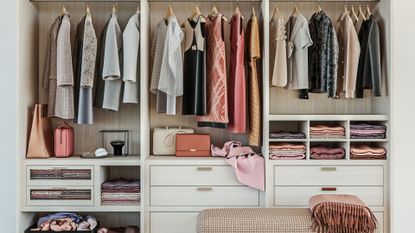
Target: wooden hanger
(238,11)
(169,12)
(361,13)
(138,7)
(196,12)
(87,10)
(368,12)
(114,8)
(319,6)
(346,11)
(214,12)
(64,12)
(276,11)
(253,13)
(296,11)
(355,16)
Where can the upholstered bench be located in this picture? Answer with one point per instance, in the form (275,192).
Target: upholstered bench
(265,220)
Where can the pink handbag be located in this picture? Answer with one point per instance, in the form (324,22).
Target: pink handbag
(64,141)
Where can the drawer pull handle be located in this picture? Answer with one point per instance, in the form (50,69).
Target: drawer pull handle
(204,189)
(329,169)
(204,169)
(329,189)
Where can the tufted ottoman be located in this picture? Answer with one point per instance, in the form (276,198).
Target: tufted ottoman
(263,220)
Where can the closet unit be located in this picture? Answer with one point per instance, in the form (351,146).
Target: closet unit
(174,190)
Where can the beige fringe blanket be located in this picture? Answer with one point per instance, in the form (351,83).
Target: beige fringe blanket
(333,213)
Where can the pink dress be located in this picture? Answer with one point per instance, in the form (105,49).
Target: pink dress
(237,83)
(217,96)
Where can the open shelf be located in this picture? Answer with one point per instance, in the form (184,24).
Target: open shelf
(130,160)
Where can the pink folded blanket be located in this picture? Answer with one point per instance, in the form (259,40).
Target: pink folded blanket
(323,152)
(287,157)
(287,146)
(326,128)
(366,149)
(333,213)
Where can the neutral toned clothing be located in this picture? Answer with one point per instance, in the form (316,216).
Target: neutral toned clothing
(237,82)
(171,72)
(131,47)
(109,92)
(253,55)
(157,51)
(85,54)
(299,40)
(194,78)
(49,75)
(64,103)
(348,56)
(369,74)
(217,93)
(279,44)
(323,55)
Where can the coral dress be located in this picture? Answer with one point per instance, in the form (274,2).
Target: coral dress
(217,93)
(237,82)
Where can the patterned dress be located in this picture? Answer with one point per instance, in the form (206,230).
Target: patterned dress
(217,95)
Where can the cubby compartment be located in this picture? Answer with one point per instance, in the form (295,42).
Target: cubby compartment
(328,130)
(119,186)
(368,151)
(292,150)
(289,131)
(368,131)
(328,150)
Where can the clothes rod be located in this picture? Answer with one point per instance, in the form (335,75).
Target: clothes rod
(136,1)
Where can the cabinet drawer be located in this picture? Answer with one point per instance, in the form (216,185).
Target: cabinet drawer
(193,175)
(59,175)
(328,175)
(173,222)
(299,196)
(204,196)
(59,196)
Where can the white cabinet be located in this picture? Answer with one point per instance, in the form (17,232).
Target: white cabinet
(173,222)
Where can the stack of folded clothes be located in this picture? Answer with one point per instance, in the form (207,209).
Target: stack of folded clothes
(286,135)
(367,152)
(65,222)
(129,229)
(325,131)
(120,192)
(327,153)
(64,194)
(73,174)
(362,130)
(288,151)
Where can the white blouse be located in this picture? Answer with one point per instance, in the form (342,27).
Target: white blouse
(131,46)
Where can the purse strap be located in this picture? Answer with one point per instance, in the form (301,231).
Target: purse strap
(172,134)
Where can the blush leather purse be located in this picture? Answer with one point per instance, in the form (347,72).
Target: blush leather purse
(164,139)
(40,143)
(64,141)
(193,145)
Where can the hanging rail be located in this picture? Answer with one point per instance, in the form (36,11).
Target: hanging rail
(289,1)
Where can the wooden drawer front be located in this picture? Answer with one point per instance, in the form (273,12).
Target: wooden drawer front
(59,175)
(173,222)
(329,175)
(299,196)
(193,175)
(68,201)
(381,222)
(204,196)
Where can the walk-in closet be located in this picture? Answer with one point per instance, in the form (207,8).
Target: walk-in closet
(173,190)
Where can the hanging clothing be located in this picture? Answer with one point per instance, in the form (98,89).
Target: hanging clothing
(369,75)
(299,39)
(217,93)
(348,57)
(85,54)
(110,83)
(194,78)
(131,52)
(323,55)
(50,72)
(157,51)
(237,83)
(279,44)
(171,71)
(64,103)
(253,55)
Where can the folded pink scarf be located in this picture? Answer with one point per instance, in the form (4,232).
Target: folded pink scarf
(248,166)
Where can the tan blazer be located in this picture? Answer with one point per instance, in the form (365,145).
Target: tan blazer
(349,52)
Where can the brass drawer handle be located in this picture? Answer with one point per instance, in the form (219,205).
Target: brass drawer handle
(204,169)
(204,189)
(329,169)
(329,189)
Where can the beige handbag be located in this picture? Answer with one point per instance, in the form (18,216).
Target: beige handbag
(164,139)
(41,140)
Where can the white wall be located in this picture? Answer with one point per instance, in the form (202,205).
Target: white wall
(403,115)
(8,119)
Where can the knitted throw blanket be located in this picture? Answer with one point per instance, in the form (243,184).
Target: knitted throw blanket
(333,213)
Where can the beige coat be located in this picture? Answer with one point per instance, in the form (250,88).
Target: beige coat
(279,43)
(349,52)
